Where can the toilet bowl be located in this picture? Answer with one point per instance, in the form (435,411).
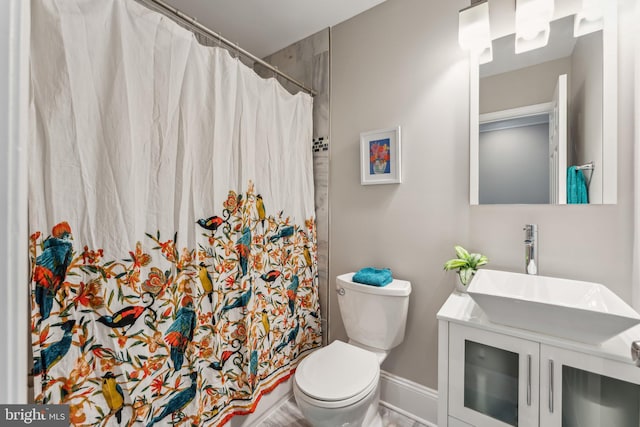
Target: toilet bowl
(337,385)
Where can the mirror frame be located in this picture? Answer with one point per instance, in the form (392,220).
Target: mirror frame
(609,111)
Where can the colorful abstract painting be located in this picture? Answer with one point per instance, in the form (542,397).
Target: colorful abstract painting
(379,156)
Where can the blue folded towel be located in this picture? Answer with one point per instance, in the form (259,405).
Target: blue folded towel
(576,187)
(373,276)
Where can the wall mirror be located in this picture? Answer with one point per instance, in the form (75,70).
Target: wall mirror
(540,118)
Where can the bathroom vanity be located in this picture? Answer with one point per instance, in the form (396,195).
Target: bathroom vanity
(495,375)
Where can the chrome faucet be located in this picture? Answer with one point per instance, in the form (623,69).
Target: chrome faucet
(531,248)
(635,352)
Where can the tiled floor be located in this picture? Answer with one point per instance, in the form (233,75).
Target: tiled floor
(289,416)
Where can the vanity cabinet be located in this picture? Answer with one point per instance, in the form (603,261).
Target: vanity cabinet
(581,390)
(493,375)
(493,378)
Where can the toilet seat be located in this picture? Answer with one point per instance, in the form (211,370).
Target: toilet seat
(338,375)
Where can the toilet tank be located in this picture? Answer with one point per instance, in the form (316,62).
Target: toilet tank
(374,316)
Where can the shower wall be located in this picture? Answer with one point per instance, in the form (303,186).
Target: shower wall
(308,62)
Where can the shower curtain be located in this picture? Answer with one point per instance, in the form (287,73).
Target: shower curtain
(173,241)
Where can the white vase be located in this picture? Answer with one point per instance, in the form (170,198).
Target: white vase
(460,287)
(379,166)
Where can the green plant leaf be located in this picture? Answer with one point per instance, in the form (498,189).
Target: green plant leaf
(466,263)
(452,264)
(461,252)
(474,259)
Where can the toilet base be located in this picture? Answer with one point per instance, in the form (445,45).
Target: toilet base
(373,418)
(361,414)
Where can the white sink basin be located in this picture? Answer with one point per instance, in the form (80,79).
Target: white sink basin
(580,311)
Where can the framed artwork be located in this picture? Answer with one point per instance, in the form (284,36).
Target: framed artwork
(380,157)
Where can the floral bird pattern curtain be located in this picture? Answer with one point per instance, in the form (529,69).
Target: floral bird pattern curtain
(173,245)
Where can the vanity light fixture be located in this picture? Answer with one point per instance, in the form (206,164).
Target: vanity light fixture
(589,19)
(474,33)
(532,24)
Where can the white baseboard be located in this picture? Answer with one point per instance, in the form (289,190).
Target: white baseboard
(410,399)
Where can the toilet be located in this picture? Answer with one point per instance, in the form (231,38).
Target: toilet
(337,385)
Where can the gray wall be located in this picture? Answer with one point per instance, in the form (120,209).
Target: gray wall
(399,64)
(585,109)
(514,165)
(507,90)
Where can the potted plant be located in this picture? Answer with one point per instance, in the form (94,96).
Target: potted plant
(466,263)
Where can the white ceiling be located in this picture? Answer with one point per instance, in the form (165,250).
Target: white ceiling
(265,26)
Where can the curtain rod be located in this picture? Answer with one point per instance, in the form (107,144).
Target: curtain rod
(193,23)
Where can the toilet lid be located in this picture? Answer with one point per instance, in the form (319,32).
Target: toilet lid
(338,371)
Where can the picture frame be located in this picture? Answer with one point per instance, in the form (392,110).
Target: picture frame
(380,157)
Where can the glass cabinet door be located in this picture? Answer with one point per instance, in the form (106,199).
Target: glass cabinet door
(493,378)
(579,390)
(491,381)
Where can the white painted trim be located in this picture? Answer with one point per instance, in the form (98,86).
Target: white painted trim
(407,414)
(443,372)
(411,399)
(526,111)
(610,104)
(474,134)
(14,262)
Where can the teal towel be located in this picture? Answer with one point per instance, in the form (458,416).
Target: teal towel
(576,187)
(373,276)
